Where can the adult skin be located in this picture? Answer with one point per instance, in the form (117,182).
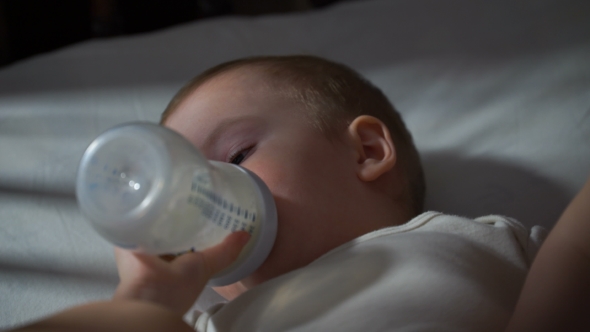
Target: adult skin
(153,294)
(556,294)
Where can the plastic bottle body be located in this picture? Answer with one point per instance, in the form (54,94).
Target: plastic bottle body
(145,188)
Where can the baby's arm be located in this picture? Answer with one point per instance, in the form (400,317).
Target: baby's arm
(153,293)
(556,294)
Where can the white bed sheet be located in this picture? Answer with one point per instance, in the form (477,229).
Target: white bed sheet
(497,94)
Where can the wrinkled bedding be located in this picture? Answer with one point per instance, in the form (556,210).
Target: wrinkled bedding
(496,93)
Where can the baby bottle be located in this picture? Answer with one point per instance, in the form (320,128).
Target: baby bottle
(145,188)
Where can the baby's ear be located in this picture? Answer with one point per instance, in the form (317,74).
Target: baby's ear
(374,147)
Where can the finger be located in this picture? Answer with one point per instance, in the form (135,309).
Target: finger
(134,265)
(168,258)
(216,258)
(124,260)
(125,257)
(119,255)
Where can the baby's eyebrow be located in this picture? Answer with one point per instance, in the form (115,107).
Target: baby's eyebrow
(225,125)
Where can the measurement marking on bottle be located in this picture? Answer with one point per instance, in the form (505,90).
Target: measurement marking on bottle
(219,211)
(215,215)
(220,220)
(218,217)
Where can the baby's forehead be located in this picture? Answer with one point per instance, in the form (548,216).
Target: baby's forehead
(241,85)
(250,75)
(240,82)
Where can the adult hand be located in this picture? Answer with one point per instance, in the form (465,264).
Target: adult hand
(176,283)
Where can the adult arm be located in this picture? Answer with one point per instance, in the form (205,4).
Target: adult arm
(153,293)
(112,316)
(556,293)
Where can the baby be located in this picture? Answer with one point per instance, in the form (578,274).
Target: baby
(320,137)
(354,251)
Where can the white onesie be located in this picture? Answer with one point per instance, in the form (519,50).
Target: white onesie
(435,273)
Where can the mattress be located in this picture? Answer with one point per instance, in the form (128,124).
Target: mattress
(496,94)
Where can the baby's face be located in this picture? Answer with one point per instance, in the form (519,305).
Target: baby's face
(236,118)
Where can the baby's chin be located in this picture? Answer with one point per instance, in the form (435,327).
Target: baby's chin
(264,273)
(259,276)
(274,266)
(232,291)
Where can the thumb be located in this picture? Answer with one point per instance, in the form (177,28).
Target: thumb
(214,259)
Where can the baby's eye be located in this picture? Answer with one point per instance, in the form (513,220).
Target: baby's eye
(240,156)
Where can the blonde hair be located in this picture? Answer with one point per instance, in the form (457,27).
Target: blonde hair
(334,95)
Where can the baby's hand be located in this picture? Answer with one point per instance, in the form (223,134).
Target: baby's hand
(174,284)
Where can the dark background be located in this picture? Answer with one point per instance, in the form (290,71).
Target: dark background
(29,27)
